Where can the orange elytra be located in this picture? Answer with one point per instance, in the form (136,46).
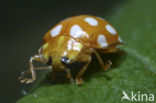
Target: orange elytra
(75,39)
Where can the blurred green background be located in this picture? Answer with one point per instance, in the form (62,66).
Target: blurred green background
(24,23)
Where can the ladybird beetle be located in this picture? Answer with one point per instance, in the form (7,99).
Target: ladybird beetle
(75,39)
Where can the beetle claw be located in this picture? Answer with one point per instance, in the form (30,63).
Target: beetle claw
(29,81)
(108,64)
(25,80)
(22,80)
(79,81)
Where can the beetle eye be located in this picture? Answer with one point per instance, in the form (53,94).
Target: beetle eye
(49,61)
(64,60)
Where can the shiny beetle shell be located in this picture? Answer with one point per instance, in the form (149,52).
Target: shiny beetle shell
(75,39)
(91,31)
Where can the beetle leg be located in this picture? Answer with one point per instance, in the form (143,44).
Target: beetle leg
(32,70)
(36,68)
(69,76)
(104,66)
(84,58)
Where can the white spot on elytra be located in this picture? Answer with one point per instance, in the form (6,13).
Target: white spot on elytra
(54,32)
(120,39)
(102,41)
(111,29)
(91,21)
(77,32)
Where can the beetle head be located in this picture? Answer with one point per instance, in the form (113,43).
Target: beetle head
(62,50)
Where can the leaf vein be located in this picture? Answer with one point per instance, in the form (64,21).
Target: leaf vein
(145,60)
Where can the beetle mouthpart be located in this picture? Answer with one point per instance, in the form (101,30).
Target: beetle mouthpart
(64,60)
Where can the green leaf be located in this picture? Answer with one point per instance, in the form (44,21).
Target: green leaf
(134,70)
